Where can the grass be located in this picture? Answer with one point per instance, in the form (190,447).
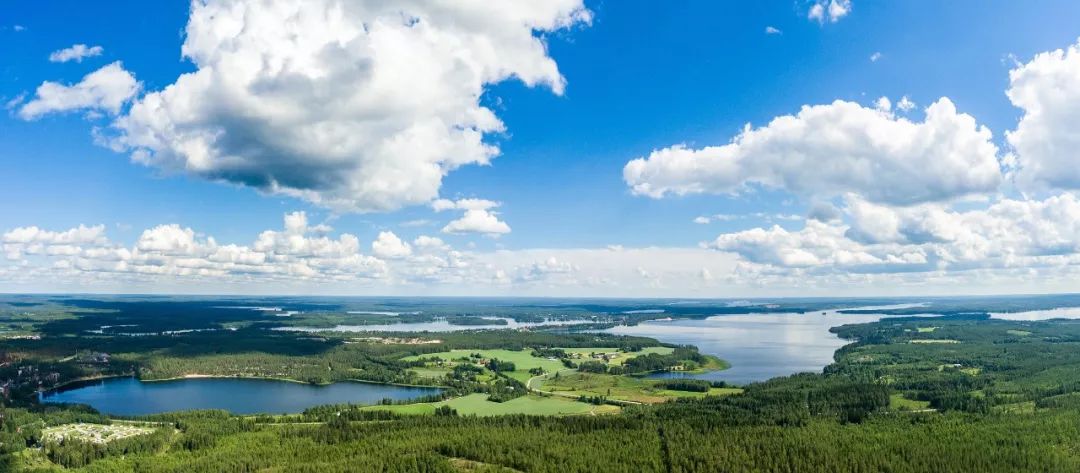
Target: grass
(934,340)
(1018,333)
(927,329)
(616,357)
(712,363)
(94,433)
(523,360)
(898,402)
(1026,407)
(623,388)
(431,372)
(478,405)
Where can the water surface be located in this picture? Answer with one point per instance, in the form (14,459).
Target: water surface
(758,346)
(433,326)
(1033,315)
(129,396)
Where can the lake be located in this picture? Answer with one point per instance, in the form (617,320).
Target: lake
(433,326)
(129,396)
(758,346)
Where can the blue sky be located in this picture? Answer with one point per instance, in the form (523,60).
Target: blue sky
(638,77)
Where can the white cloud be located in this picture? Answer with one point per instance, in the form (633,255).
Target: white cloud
(297,253)
(702,220)
(829,10)
(107,89)
(545,269)
(78,235)
(359,106)
(1045,141)
(478,221)
(1008,234)
(905,104)
(389,246)
(829,150)
(33,240)
(771,30)
(919,249)
(883,104)
(440,205)
(478,216)
(876,56)
(430,243)
(76,53)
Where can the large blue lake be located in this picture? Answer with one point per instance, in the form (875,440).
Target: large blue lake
(129,396)
(758,346)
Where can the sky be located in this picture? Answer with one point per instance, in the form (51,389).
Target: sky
(556,148)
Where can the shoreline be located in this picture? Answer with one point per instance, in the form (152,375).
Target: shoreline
(211,376)
(85,379)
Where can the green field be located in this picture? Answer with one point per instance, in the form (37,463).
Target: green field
(898,402)
(615,357)
(430,372)
(478,405)
(523,360)
(622,388)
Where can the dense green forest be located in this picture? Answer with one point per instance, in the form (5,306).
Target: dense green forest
(961,392)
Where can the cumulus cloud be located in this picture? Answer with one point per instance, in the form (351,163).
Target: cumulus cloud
(34,240)
(76,53)
(106,89)
(440,205)
(883,104)
(876,56)
(1047,89)
(1008,234)
(905,104)
(389,246)
(302,256)
(478,221)
(915,249)
(358,106)
(829,10)
(298,252)
(829,150)
(771,30)
(430,243)
(478,216)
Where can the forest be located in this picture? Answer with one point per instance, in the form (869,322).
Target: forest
(961,392)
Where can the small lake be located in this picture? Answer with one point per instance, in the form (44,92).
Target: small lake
(758,346)
(129,396)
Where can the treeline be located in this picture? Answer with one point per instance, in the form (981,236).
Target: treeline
(686,357)
(74,453)
(645,440)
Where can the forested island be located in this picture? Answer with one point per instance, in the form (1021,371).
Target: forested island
(958,392)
